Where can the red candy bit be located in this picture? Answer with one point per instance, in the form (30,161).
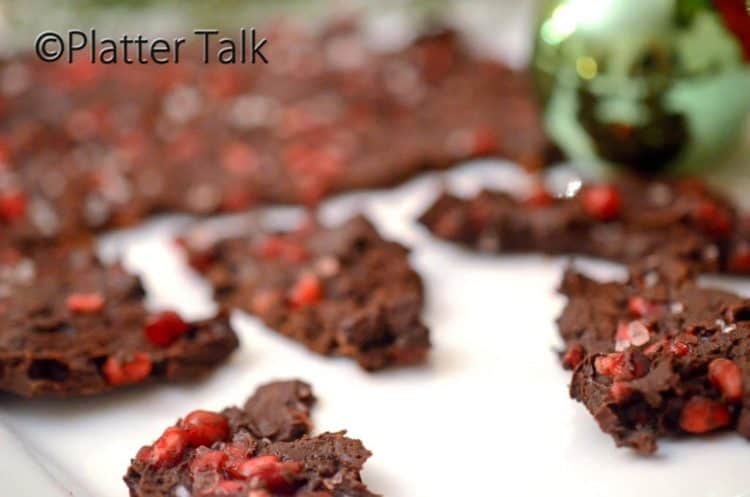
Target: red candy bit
(263,301)
(269,471)
(614,365)
(12,205)
(318,161)
(85,303)
(306,291)
(238,199)
(211,461)
(620,391)
(479,141)
(679,349)
(713,220)
(167,450)
(135,370)
(727,377)
(237,452)
(573,356)
(205,427)
(539,197)
(482,141)
(239,158)
(164,328)
(739,258)
(282,248)
(702,415)
(641,307)
(5,150)
(602,202)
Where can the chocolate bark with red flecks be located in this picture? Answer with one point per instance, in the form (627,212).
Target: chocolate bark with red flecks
(341,291)
(657,355)
(90,146)
(625,221)
(71,325)
(263,449)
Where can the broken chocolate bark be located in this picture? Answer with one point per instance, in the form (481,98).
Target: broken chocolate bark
(658,355)
(625,221)
(89,146)
(263,449)
(341,291)
(71,325)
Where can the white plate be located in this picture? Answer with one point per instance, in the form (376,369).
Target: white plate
(490,414)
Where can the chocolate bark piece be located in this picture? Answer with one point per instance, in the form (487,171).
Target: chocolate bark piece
(263,449)
(88,147)
(663,296)
(341,291)
(71,325)
(658,355)
(625,222)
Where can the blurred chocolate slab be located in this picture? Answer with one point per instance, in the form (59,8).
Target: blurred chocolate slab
(91,146)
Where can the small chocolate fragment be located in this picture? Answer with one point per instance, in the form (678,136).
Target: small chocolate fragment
(261,450)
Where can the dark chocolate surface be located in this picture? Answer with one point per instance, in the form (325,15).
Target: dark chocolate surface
(74,326)
(90,146)
(341,291)
(625,222)
(272,427)
(658,355)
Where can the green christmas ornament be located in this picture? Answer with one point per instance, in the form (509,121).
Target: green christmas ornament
(652,85)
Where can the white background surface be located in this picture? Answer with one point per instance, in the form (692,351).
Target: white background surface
(489,415)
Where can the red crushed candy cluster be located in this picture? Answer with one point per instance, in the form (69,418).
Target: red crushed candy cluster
(621,366)
(613,365)
(679,349)
(164,328)
(205,427)
(539,196)
(602,202)
(282,248)
(199,428)
(134,370)
(739,259)
(225,468)
(85,303)
(307,291)
(573,356)
(12,206)
(641,307)
(265,300)
(726,376)
(702,415)
(620,391)
(482,141)
(714,220)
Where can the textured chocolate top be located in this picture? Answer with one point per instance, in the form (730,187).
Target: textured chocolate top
(658,355)
(261,450)
(625,221)
(70,325)
(340,291)
(93,146)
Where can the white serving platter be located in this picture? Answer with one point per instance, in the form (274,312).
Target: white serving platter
(489,415)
